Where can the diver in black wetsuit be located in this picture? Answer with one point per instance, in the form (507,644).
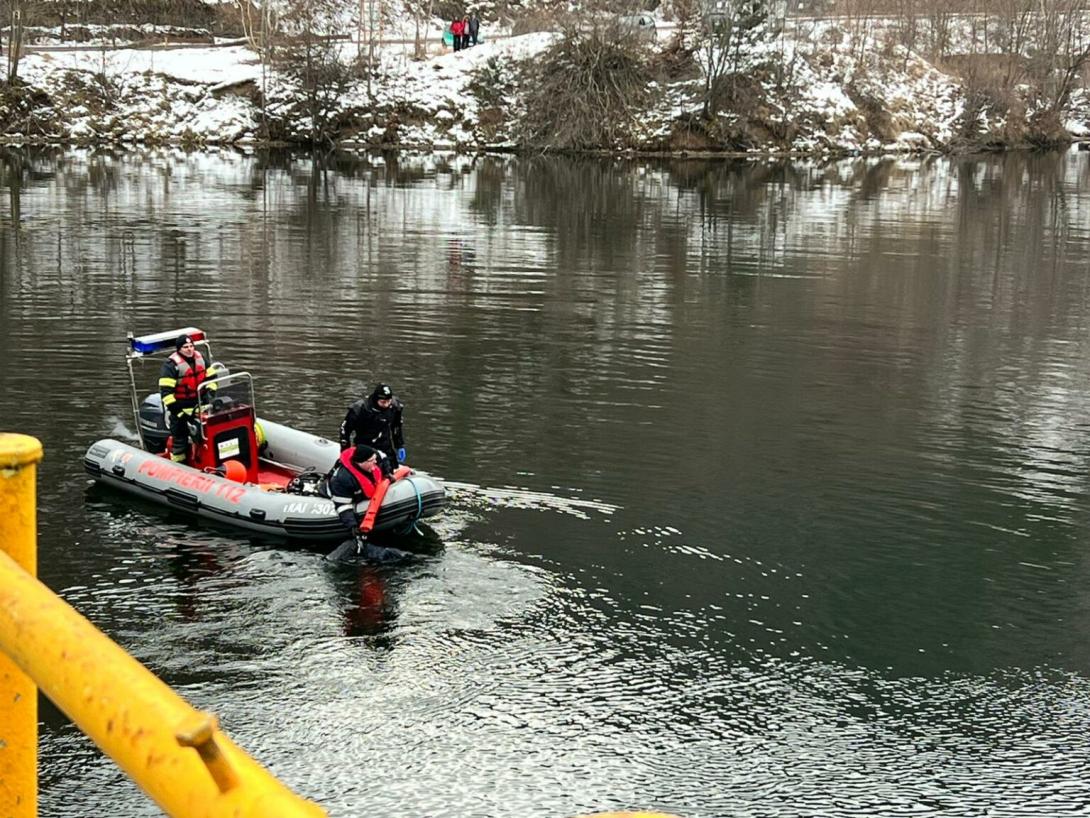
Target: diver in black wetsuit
(376,421)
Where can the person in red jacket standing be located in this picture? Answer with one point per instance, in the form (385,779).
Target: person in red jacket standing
(457,31)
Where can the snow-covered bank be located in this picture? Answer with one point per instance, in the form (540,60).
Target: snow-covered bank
(830,101)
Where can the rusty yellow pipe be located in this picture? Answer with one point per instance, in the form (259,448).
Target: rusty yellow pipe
(19,455)
(175,753)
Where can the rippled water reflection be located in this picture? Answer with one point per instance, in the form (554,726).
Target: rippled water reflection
(768,481)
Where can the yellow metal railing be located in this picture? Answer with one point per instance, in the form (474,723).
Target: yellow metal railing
(175,753)
(19,456)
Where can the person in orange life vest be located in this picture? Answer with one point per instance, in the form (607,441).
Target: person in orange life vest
(179,378)
(354,477)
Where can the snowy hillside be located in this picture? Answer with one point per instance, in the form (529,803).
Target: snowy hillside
(833,99)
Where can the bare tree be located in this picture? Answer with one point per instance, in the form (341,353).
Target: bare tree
(940,22)
(1061,50)
(252,20)
(716,46)
(978,22)
(726,39)
(309,54)
(859,18)
(260,25)
(1014,24)
(689,18)
(907,25)
(16,21)
(421,12)
(368,28)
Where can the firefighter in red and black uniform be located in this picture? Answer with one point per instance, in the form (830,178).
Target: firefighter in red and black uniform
(179,378)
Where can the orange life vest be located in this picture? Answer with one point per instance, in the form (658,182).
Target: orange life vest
(368,479)
(189,377)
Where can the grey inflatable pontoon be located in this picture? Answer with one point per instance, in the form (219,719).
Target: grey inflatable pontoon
(255,475)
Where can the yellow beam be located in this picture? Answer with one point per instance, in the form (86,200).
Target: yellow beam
(19,455)
(175,753)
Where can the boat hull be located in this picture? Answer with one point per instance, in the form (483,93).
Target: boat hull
(249,507)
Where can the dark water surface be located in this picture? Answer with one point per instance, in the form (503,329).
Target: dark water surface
(769,482)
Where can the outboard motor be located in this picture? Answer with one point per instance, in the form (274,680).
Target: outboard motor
(153,423)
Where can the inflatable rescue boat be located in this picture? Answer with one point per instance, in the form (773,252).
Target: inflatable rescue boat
(243,471)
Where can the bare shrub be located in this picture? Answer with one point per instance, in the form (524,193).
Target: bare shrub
(877,116)
(750,121)
(303,44)
(313,64)
(1061,50)
(26,110)
(991,119)
(493,83)
(586,91)
(493,86)
(993,116)
(676,62)
(688,16)
(1047,130)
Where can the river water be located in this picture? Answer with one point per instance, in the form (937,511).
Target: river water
(768,482)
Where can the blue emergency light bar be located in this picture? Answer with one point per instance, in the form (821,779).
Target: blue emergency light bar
(162,341)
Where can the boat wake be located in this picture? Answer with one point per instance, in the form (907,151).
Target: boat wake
(122,431)
(468,494)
